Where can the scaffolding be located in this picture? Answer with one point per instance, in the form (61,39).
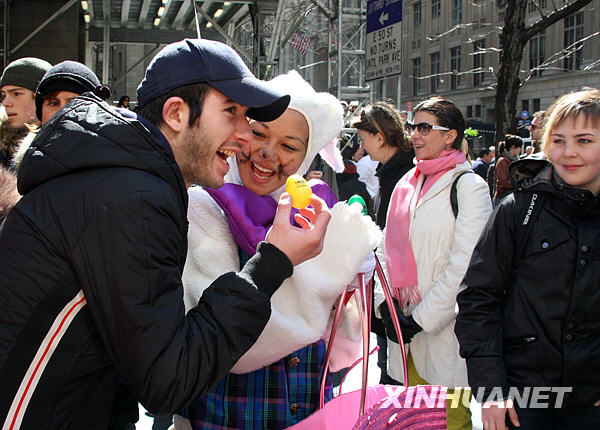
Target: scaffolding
(4,22)
(337,32)
(262,31)
(346,57)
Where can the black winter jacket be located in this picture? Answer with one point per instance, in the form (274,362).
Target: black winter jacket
(349,185)
(535,322)
(389,174)
(90,293)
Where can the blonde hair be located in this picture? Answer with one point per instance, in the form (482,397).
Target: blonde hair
(568,107)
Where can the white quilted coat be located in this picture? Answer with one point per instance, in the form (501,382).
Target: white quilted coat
(301,307)
(442,246)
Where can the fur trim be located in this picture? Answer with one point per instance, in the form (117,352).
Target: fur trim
(9,137)
(23,147)
(211,248)
(9,196)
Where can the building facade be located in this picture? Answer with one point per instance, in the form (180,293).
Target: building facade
(451,48)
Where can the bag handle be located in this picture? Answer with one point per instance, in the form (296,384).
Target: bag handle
(366,310)
(388,298)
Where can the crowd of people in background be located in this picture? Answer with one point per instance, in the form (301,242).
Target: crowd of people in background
(158,233)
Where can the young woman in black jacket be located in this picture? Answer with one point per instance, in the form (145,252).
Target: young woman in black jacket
(528,321)
(383,136)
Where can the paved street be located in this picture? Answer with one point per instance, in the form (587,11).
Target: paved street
(353,381)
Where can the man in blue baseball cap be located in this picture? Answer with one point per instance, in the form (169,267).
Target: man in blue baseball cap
(91,257)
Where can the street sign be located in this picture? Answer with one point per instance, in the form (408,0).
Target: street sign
(384,38)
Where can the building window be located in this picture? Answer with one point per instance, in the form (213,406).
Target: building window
(536,105)
(479,14)
(478,111)
(537,52)
(502,16)
(416,71)
(573,34)
(417,18)
(435,71)
(478,62)
(436,9)
(532,7)
(456,12)
(524,105)
(455,67)
(469,111)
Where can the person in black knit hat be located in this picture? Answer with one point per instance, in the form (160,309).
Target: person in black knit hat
(61,84)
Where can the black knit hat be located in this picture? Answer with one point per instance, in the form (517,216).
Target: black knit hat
(25,72)
(69,76)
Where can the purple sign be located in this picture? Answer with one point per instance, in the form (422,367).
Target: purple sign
(381,13)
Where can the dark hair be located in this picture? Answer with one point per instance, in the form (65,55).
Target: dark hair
(484,151)
(349,151)
(384,118)
(50,95)
(512,141)
(192,94)
(447,114)
(122,99)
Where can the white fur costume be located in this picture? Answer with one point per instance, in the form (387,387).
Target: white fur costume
(301,307)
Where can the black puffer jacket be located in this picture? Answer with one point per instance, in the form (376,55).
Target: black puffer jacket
(535,322)
(90,294)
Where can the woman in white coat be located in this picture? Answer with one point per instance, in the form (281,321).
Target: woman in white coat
(276,383)
(427,251)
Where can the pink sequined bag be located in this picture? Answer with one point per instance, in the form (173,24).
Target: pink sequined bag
(379,406)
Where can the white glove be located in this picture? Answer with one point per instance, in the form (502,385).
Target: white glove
(367,266)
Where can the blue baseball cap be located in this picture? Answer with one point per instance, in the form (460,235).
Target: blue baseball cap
(200,60)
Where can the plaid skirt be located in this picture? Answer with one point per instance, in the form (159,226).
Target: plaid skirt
(274,397)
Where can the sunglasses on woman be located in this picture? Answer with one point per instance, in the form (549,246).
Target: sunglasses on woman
(424,128)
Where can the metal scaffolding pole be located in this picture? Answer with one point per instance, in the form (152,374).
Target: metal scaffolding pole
(5,23)
(346,65)
(106,45)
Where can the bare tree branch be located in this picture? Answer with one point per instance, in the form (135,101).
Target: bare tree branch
(513,39)
(540,10)
(555,16)
(559,56)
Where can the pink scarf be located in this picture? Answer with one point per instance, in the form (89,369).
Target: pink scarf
(400,260)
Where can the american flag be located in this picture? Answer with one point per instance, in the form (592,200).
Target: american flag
(301,42)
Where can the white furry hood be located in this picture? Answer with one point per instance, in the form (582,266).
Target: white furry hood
(324,114)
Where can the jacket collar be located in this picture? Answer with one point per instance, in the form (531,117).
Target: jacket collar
(400,158)
(444,182)
(535,173)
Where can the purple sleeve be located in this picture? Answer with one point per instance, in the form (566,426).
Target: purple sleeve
(321,189)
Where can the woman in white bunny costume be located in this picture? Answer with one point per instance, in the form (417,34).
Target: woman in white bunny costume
(276,383)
